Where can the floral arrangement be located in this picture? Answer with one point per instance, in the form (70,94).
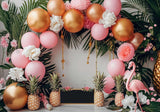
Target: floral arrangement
(32,30)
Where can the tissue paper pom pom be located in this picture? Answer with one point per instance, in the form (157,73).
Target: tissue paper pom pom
(98,32)
(30,38)
(68,5)
(87,23)
(125,52)
(80,4)
(116,67)
(109,84)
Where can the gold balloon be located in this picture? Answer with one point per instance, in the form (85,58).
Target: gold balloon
(38,20)
(56,7)
(137,40)
(73,20)
(15,97)
(94,12)
(123,30)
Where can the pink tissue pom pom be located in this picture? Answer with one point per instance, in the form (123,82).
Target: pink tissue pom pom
(125,52)
(109,84)
(80,4)
(87,23)
(5,5)
(68,5)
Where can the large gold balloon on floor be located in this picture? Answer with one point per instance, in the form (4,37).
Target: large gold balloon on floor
(73,20)
(15,97)
(56,7)
(94,12)
(123,30)
(38,20)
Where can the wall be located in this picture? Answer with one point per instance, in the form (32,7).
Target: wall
(77,73)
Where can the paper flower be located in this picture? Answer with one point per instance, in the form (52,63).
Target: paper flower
(148,102)
(135,111)
(16,74)
(14,43)
(158,100)
(125,52)
(4,41)
(5,5)
(151,89)
(67,88)
(86,88)
(56,23)
(142,98)
(108,19)
(153,99)
(7,59)
(128,102)
(68,5)
(32,52)
(87,23)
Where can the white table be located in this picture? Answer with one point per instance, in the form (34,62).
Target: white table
(71,108)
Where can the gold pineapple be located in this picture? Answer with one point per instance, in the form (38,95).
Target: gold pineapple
(156,74)
(98,94)
(55,83)
(119,87)
(33,98)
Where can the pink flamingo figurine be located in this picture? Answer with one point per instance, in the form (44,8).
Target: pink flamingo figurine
(135,85)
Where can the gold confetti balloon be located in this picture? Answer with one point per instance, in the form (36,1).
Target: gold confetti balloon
(15,97)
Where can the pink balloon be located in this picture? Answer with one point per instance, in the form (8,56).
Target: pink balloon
(113,6)
(48,39)
(109,84)
(35,68)
(98,32)
(30,38)
(18,59)
(116,67)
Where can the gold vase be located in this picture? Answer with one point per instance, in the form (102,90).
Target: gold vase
(156,74)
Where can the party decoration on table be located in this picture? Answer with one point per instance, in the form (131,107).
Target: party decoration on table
(98,32)
(99,85)
(33,98)
(137,40)
(48,39)
(18,59)
(55,84)
(113,6)
(156,76)
(109,84)
(56,23)
(15,97)
(35,68)
(120,89)
(30,38)
(82,21)
(123,30)
(73,20)
(116,67)
(80,5)
(125,52)
(135,85)
(94,12)
(38,20)
(56,7)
